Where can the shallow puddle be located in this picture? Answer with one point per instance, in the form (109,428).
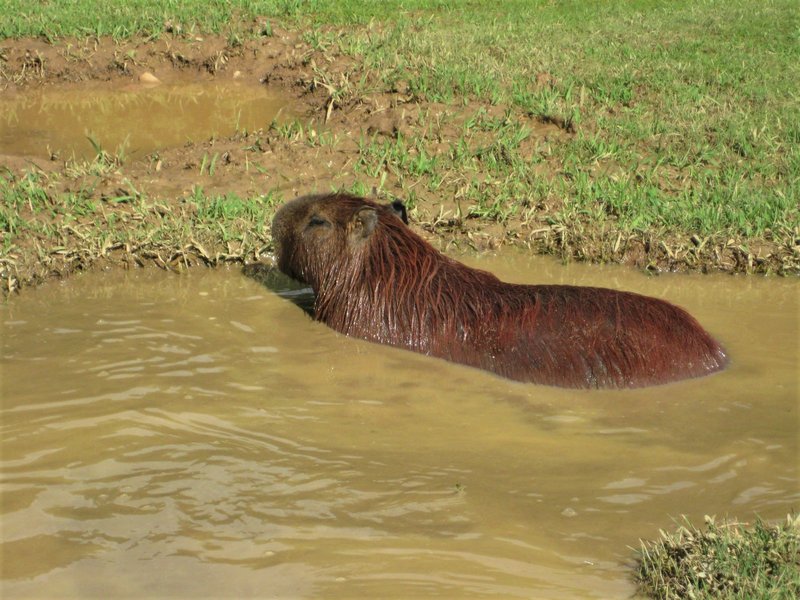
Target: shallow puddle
(134,120)
(199,435)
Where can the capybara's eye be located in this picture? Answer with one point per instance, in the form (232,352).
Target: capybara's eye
(316,221)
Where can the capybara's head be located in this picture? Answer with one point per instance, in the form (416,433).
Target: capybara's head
(315,236)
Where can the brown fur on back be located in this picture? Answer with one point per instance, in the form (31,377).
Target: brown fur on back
(375,279)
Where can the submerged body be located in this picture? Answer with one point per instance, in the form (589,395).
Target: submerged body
(375,279)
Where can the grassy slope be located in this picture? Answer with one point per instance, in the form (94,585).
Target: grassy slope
(686,113)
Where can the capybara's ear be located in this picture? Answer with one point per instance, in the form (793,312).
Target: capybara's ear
(400,210)
(363,222)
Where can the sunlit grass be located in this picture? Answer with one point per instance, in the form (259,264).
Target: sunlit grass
(724,560)
(36,206)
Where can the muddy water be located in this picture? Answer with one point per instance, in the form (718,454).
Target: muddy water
(136,119)
(199,435)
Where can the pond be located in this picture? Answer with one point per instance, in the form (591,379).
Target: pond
(200,435)
(134,119)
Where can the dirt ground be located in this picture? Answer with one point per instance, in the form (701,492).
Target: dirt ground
(319,90)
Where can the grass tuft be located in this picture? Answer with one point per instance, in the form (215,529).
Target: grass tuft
(725,560)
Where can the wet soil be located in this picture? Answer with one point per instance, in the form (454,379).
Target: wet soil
(317,87)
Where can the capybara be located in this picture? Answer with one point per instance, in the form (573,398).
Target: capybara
(374,278)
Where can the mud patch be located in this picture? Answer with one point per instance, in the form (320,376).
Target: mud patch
(131,120)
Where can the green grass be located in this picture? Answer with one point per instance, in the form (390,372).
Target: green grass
(686,113)
(36,211)
(725,560)
(55,18)
(236,215)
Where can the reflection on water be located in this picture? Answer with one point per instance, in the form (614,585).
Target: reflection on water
(137,119)
(200,435)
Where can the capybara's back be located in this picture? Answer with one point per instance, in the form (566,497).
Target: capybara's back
(596,337)
(375,279)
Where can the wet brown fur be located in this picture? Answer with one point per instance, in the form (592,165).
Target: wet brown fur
(375,279)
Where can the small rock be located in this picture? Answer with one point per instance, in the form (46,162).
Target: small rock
(237,74)
(148,77)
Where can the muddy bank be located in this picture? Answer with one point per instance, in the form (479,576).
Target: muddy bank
(209,200)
